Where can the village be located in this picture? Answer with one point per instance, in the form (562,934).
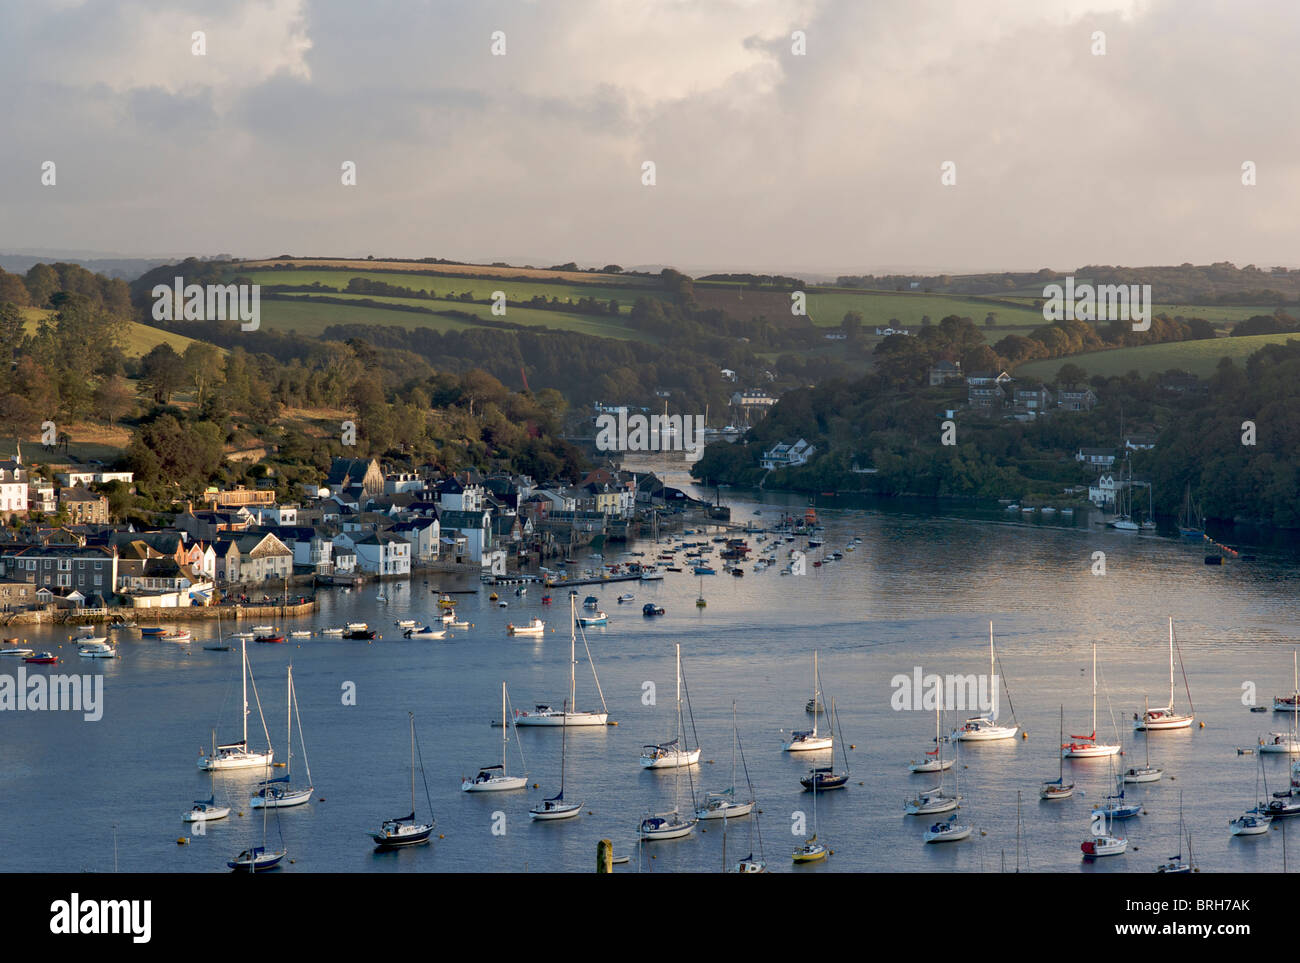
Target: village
(63,558)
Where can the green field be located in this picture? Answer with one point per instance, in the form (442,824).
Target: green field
(827,307)
(1197,357)
(138,341)
(481,289)
(313,318)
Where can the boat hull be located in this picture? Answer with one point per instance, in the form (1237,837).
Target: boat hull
(733,811)
(562,719)
(1088,752)
(812,744)
(566,811)
(1143,775)
(954,834)
(1155,725)
(239,760)
(987,734)
(206,815)
(498,784)
(286,800)
(386,841)
(1052,793)
(257,863)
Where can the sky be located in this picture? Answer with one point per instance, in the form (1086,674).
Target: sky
(765,159)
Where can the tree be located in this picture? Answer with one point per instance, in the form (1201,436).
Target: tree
(114,398)
(1071,374)
(162,372)
(203,364)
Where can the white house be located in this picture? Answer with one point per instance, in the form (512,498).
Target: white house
(457,496)
(788,456)
(1102,494)
(381,553)
(424,534)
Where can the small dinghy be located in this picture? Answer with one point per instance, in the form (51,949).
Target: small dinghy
(42,658)
(425,632)
(627,597)
(535,627)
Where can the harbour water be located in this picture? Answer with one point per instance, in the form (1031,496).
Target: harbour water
(917,591)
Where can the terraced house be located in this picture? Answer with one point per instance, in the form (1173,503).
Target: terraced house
(90,570)
(252,557)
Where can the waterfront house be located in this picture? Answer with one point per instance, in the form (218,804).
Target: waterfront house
(90,569)
(252,557)
(424,534)
(476,526)
(383,553)
(785,455)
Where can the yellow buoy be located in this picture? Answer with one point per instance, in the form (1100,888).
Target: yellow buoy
(182,841)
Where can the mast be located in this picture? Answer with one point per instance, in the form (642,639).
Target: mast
(505,733)
(814,692)
(243,678)
(564,741)
(1094,693)
(733,755)
(288,725)
(573,657)
(1061,767)
(412,717)
(1171,664)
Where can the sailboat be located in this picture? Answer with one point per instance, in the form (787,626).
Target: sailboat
(495,778)
(1104,841)
(236,755)
(1176,864)
(1124,521)
(930,802)
(699,602)
(1190,524)
(809,740)
(1146,772)
(1115,806)
(555,807)
(219,644)
(256,858)
(1087,747)
(1282,742)
(544,715)
(723,804)
(671,824)
(1166,717)
(673,754)
(985,728)
(811,851)
(1290,703)
(1256,821)
(404,830)
(822,778)
(749,864)
(1058,788)
(277,793)
(937,763)
(204,810)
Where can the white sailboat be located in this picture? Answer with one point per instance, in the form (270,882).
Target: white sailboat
(557,807)
(933,760)
(985,728)
(671,824)
(811,851)
(1290,703)
(495,778)
(1256,821)
(406,830)
(1166,717)
(1146,772)
(1282,742)
(929,802)
(237,755)
(205,810)
(544,715)
(723,804)
(279,793)
(674,754)
(810,740)
(255,859)
(1058,788)
(948,830)
(1087,747)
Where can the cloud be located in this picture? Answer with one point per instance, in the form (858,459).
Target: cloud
(768,160)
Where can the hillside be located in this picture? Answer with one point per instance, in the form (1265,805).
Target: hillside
(1197,357)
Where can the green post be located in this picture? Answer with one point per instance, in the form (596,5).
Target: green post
(604,856)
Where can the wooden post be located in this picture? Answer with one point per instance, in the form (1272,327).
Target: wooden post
(604,856)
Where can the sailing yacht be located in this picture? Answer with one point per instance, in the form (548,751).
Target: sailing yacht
(1115,806)
(1104,841)
(1190,524)
(1146,772)
(278,793)
(671,824)
(236,755)
(555,807)
(1176,864)
(405,830)
(749,864)
(257,858)
(822,778)
(544,715)
(1290,703)
(985,728)
(947,830)
(809,740)
(723,804)
(930,802)
(205,810)
(811,851)
(1256,821)
(495,778)
(937,763)
(1087,747)
(1166,717)
(1282,742)
(1058,788)
(673,754)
